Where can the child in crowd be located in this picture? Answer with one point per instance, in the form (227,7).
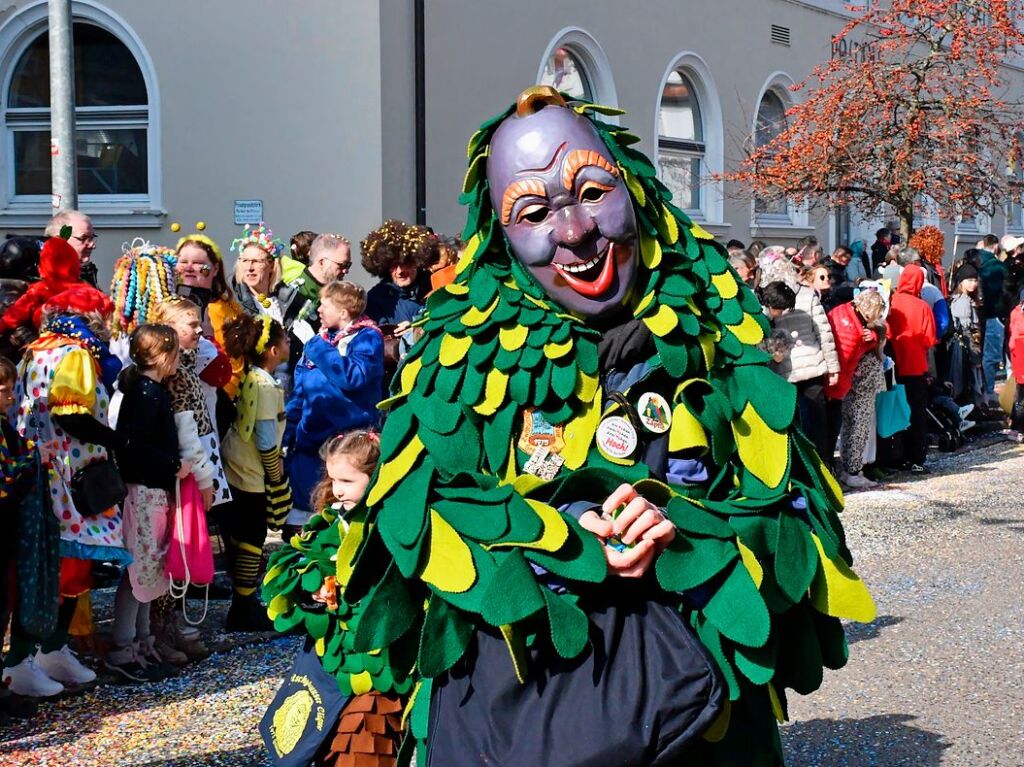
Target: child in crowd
(337,385)
(252,461)
(350,460)
(198,446)
(149,466)
(17,475)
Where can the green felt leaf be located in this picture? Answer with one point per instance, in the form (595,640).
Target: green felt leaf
(756,663)
(497,437)
(738,611)
(712,640)
(388,612)
(444,638)
(758,533)
(581,557)
(396,432)
(404,510)
(796,557)
(799,664)
(569,625)
(690,561)
(474,520)
(520,385)
(693,519)
(316,624)
(311,580)
(459,451)
(514,593)
(439,416)
(65,232)
(831,639)
(288,621)
(419,717)
(773,397)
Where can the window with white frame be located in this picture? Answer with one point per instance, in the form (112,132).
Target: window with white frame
(565,71)
(681,147)
(771,122)
(112,120)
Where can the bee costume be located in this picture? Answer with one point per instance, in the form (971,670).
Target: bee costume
(594,336)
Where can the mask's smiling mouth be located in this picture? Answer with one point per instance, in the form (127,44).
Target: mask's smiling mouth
(590,278)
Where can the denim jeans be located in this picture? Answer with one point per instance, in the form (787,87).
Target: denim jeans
(992,352)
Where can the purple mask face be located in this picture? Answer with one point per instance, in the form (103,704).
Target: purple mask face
(565,209)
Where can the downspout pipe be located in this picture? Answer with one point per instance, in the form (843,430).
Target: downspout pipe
(421,118)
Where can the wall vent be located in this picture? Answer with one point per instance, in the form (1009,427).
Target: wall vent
(780,35)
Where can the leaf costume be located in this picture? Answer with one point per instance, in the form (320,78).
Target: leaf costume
(456,541)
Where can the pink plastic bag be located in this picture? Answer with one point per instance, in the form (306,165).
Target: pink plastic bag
(189,555)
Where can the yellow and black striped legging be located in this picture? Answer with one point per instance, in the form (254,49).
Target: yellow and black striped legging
(243,525)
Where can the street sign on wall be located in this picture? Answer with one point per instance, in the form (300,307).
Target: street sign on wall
(248,211)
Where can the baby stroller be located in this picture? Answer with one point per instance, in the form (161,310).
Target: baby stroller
(945,427)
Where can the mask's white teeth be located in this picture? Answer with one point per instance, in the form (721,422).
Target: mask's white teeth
(576,268)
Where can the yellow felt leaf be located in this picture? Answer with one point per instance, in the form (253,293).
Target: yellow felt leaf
(278,606)
(720,726)
(362,683)
(726,285)
(635,188)
(408,376)
(475,317)
(534,301)
(692,306)
(512,338)
(454,349)
(707,346)
(516,651)
(663,321)
(553,533)
(580,431)
(650,250)
(320,646)
(347,552)
(837,591)
(466,259)
(494,392)
(410,704)
(456,288)
(586,386)
(750,562)
(763,451)
(686,431)
(700,233)
(449,561)
(272,573)
(644,303)
(749,331)
(394,470)
(671,228)
(527,483)
(830,481)
(555,351)
(780,715)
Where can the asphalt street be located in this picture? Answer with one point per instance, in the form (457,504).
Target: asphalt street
(935,680)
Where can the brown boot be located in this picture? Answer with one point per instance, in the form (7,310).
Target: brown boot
(159,617)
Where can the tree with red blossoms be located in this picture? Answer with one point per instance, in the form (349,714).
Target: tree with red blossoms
(924,112)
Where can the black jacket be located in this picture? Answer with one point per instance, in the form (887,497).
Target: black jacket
(146,421)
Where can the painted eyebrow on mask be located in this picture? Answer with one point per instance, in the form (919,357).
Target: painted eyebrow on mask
(582,158)
(517,189)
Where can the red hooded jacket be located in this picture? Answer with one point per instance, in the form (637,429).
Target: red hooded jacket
(1016,343)
(60,268)
(848,330)
(911,326)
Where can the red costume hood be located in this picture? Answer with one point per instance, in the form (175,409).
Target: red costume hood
(911,280)
(59,268)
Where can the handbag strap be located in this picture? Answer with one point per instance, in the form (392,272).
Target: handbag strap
(180,592)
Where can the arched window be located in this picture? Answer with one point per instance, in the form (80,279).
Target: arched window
(681,146)
(574,63)
(771,121)
(564,70)
(112,118)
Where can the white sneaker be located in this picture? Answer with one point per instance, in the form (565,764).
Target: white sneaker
(858,481)
(965,411)
(966,424)
(63,666)
(31,681)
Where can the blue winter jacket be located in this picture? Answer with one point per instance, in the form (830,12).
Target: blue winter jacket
(334,392)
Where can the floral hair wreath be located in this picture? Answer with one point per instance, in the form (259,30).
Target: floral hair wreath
(262,237)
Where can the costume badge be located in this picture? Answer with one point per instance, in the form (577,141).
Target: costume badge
(543,464)
(537,432)
(654,412)
(616,437)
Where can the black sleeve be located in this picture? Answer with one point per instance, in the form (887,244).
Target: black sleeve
(87,429)
(146,424)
